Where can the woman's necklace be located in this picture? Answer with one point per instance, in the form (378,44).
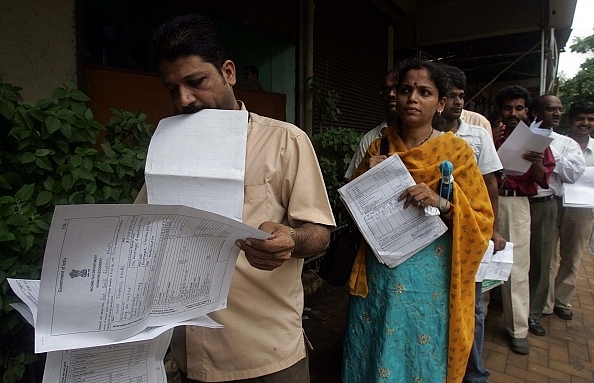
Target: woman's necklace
(420,143)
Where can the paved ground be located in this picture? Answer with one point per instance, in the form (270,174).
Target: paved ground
(564,355)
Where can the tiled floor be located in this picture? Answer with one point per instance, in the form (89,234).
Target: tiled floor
(565,354)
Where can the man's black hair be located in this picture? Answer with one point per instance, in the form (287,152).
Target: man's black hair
(580,107)
(457,76)
(190,35)
(511,93)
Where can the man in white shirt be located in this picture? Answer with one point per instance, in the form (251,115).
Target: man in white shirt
(575,224)
(488,162)
(570,164)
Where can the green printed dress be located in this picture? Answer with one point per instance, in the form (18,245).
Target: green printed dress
(399,333)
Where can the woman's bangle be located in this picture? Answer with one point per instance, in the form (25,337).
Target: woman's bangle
(447,212)
(446,207)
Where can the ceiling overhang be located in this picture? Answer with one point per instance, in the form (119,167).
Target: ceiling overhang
(488,39)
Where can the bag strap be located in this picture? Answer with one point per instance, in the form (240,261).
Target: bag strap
(384,146)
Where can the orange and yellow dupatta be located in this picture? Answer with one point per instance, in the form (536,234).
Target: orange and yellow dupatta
(472,227)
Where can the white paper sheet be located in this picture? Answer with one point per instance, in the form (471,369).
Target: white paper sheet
(496,266)
(520,141)
(28,309)
(184,163)
(129,362)
(393,233)
(28,291)
(580,193)
(111,271)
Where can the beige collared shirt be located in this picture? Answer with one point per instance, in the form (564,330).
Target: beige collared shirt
(263,331)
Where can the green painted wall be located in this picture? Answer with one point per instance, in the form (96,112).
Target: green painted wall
(274,58)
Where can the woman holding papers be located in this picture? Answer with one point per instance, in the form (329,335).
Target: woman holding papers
(415,322)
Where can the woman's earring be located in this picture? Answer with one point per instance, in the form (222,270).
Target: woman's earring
(439,112)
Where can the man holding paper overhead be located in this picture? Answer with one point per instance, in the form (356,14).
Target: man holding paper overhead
(514,215)
(284,195)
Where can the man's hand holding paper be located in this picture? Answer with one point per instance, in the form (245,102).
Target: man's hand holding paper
(522,149)
(268,254)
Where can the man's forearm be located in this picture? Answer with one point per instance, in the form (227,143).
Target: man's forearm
(492,189)
(310,239)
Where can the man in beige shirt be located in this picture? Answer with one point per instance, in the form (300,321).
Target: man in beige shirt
(262,339)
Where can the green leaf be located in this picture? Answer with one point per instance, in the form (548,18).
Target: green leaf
(106,192)
(25,192)
(75,161)
(67,182)
(44,103)
(3,183)
(6,199)
(66,129)
(49,183)
(42,224)
(7,109)
(79,96)
(91,188)
(42,152)
(27,242)
(18,220)
(6,263)
(5,237)
(108,151)
(44,163)
(59,93)
(84,174)
(43,198)
(62,144)
(27,158)
(53,124)
(89,114)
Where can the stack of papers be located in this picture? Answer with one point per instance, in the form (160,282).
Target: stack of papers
(496,266)
(580,193)
(116,274)
(393,233)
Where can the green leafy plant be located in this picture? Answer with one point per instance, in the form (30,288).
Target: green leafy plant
(335,148)
(54,152)
(325,101)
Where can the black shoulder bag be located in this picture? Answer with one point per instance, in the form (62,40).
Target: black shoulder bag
(338,260)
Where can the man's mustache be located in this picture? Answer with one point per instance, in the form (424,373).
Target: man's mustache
(190,109)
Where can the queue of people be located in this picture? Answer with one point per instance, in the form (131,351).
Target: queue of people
(421,320)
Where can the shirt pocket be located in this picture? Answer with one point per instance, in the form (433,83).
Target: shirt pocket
(256,206)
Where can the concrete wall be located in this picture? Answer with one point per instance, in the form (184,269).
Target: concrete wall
(37,45)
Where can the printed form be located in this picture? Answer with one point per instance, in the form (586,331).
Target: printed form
(110,271)
(122,363)
(139,358)
(496,266)
(393,233)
